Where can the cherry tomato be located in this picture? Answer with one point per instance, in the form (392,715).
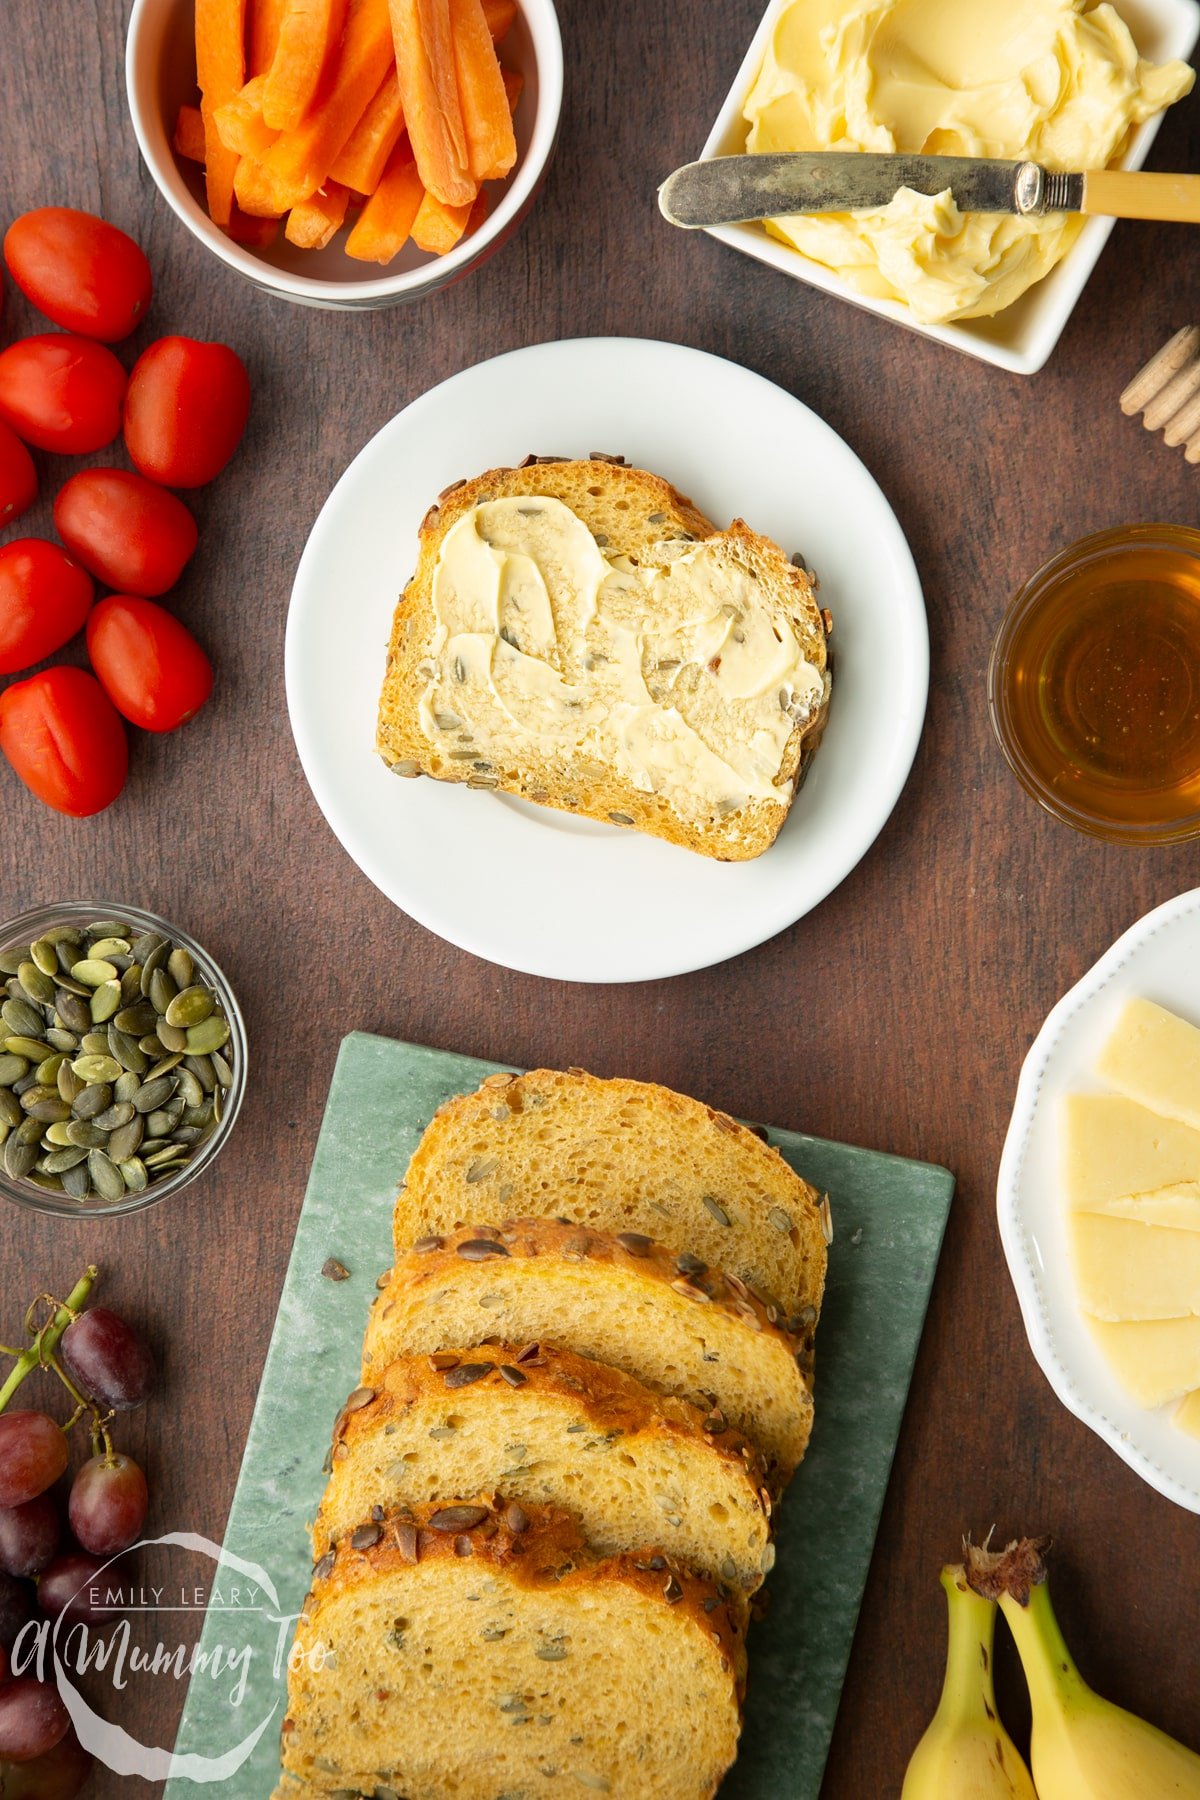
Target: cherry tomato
(44,599)
(185,410)
(80,271)
(61,393)
(18,477)
(149,665)
(130,533)
(64,737)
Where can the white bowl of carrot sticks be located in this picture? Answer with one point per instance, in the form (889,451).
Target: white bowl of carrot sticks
(347,153)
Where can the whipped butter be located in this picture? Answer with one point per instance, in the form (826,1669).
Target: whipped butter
(1051,80)
(671,670)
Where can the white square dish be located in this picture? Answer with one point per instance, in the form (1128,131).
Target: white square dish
(1022,337)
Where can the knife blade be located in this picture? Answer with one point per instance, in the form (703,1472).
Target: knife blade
(730,190)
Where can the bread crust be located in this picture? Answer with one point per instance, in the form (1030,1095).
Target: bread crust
(588,486)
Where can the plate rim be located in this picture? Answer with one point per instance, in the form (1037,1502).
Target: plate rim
(1014,1230)
(895,771)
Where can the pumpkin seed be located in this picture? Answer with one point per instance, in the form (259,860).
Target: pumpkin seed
(75,1013)
(171,1037)
(57,1135)
(153,960)
(68,1083)
(12,1068)
(22,1019)
(19,1158)
(47,1072)
(93,970)
(131,984)
(181,968)
(150,1045)
(136,1020)
(221,1069)
(133,1174)
(191,1007)
(93,1100)
(125,1086)
(113,1116)
(77,1182)
(189,1089)
(96,1068)
(153,1094)
(11,960)
(126,1139)
(163,1066)
(105,1176)
(43,955)
(62,1040)
(131,1057)
(203,1070)
(10,1108)
(161,1122)
(162,990)
(171,1153)
(106,1001)
(29,1131)
(102,928)
(94,1043)
(61,1160)
(108,944)
(145,945)
(86,1135)
(48,1111)
(37,983)
(210,1034)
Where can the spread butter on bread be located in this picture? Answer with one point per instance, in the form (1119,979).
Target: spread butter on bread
(579,634)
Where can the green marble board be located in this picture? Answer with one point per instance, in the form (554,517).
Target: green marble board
(889,1215)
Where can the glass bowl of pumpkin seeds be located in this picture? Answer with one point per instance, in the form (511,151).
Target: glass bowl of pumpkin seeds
(122,1059)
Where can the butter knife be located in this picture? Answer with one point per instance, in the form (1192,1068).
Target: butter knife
(729,190)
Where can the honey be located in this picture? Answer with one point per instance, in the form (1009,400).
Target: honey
(1095,684)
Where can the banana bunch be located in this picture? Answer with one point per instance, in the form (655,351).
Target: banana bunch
(1082,1747)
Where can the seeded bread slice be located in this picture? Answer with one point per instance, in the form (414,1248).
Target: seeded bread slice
(458,1652)
(675,1326)
(545,1427)
(634,515)
(621,1156)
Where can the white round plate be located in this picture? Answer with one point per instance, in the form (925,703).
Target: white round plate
(1159,958)
(531,888)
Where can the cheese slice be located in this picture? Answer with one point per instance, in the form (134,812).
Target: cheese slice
(1112,1147)
(1174,1208)
(1126,1270)
(1187,1415)
(1156,1360)
(1154,1057)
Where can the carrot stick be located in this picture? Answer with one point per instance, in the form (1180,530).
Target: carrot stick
(364,155)
(266,16)
(491,146)
(256,191)
(258,234)
(300,161)
(438,227)
(384,224)
(480,209)
(499,15)
(311,224)
(188,141)
(220,71)
(240,123)
(429,92)
(310,34)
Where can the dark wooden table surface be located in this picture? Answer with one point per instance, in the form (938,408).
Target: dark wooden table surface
(896,1015)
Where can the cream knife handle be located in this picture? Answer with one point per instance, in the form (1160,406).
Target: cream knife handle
(1123,194)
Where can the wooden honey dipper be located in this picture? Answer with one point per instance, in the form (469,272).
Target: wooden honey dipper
(1167,392)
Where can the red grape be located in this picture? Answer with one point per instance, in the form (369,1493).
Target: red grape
(108,1358)
(65,1585)
(108,1504)
(16,1607)
(32,1719)
(28,1536)
(33,1454)
(59,1775)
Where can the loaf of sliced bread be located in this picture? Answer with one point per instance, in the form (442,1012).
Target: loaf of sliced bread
(457,1651)
(621,1156)
(547,1428)
(673,1324)
(580,634)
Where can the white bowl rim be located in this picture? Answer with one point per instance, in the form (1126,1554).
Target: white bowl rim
(1013,1230)
(542,19)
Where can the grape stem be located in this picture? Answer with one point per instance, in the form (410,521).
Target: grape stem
(47,1339)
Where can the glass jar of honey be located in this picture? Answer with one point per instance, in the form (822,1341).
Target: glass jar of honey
(1094,685)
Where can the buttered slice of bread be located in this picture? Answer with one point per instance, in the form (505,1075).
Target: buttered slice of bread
(547,1428)
(457,1651)
(622,1156)
(674,1325)
(579,634)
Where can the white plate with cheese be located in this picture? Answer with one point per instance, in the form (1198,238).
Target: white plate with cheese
(539,890)
(1125,1149)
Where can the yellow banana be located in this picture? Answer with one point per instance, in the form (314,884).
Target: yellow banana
(966,1754)
(1083,1747)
